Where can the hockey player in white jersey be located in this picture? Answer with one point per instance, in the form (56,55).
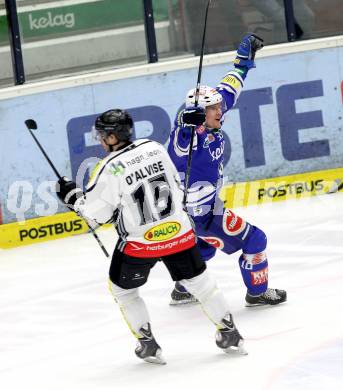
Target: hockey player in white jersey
(137,188)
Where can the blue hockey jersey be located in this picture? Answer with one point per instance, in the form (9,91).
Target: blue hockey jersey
(208,149)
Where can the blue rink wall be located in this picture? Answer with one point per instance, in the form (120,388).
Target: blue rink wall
(287,120)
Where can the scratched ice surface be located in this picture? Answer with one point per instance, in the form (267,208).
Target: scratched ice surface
(60,328)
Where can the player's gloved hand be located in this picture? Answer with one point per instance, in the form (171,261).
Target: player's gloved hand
(247,49)
(68,192)
(193,116)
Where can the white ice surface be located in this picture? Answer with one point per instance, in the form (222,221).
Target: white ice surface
(61,330)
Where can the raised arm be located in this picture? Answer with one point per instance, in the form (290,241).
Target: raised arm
(232,83)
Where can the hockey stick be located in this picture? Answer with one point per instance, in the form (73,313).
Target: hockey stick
(197,91)
(32,125)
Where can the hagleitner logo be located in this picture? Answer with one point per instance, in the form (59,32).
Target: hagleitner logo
(117,168)
(50,20)
(163,231)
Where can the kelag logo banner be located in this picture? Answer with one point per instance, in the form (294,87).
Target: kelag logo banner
(288,120)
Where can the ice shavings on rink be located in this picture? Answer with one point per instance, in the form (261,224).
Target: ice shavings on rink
(60,328)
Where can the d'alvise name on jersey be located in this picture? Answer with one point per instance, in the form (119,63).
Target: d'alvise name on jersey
(144,172)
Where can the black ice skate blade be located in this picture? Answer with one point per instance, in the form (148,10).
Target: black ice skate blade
(247,304)
(239,350)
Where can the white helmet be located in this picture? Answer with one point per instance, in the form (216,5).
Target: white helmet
(207,96)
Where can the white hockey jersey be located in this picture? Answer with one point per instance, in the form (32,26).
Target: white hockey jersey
(138,189)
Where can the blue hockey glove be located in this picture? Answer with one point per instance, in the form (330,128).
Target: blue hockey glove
(246,51)
(193,116)
(68,192)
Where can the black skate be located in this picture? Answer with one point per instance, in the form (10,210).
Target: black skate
(272,296)
(180,296)
(228,338)
(147,347)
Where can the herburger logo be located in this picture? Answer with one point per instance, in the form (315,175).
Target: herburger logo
(163,231)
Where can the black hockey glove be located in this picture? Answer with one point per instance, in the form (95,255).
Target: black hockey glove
(193,116)
(247,49)
(68,192)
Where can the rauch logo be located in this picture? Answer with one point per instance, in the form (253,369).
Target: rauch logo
(162,232)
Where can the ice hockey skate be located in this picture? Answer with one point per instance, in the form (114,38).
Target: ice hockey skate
(147,347)
(228,338)
(180,296)
(272,296)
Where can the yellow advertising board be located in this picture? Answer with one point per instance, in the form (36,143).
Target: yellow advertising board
(282,188)
(235,195)
(41,229)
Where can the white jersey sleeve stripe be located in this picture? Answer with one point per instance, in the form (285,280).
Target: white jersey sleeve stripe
(199,196)
(202,201)
(179,150)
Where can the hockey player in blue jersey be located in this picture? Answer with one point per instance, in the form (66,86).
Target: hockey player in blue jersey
(216,226)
